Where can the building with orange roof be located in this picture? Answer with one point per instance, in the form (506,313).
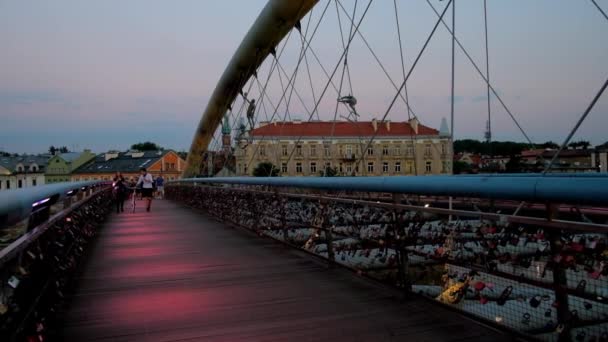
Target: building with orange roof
(308,148)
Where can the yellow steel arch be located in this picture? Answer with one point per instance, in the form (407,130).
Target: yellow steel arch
(274,22)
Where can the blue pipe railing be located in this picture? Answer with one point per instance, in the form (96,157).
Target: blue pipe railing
(18,204)
(558,188)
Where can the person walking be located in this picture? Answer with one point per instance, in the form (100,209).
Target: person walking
(160,187)
(147,190)
(120,192)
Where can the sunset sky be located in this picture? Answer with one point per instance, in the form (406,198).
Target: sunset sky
(106,74)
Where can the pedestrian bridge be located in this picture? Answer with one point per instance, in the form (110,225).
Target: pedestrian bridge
(176,274)
(283,259)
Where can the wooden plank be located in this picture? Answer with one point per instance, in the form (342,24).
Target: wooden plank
(175,275)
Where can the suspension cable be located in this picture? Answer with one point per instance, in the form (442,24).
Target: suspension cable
(452,98)
(409,110)
(426,43)
(340,60)
(578,124)
(494,92)
(489,133)
(600,9)
(292,79)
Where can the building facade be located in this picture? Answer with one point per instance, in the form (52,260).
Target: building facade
(309,148)
(60,166)
(24,171)
(104,166)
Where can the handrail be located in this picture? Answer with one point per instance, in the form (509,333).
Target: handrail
(18,204)
(532,188)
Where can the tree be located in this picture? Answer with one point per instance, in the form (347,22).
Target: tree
(328,172)
(461,167)
(146,146)
(52,150)
(514,164)
(265,169)
(581,143)
(64,149)
(549,144)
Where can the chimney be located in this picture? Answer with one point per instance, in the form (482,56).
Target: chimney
(375,124)
(414,124)
(388,125)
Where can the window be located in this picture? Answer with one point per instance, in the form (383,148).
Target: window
(385,167)
(397,150)
(444,148)
(349,168)
(385,150)
(245,169)
(340,168)
(284,150)
(8,184)
(326,150)
(398,167)
(299,150)
(410,150)
(313,167)
(349,151)
(410,167)
(20,169)
(34,182)
(262,150)
(370,151)
(34,169)
(370,167)
(20,184)
(298,167)
(284,167)
(429,167)
(313,150)
(427,150)
(239,167)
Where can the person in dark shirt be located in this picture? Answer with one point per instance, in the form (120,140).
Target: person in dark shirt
(160,187)
(120,192)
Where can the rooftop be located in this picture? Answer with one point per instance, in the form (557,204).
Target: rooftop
(340,129)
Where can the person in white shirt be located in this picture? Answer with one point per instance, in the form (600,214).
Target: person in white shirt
(147,189)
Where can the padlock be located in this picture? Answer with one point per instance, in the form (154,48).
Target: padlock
(587,305)
(535,301)
(526,319)
(580,288)
(548,313)
(506,293)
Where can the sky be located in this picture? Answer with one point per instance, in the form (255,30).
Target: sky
(106,74)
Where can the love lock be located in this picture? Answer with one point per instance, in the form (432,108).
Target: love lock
(535,301)
(548,313)
(580,288)
(526,319)
(506,293)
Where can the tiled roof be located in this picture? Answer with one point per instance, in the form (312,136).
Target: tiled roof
(341,129)
(125,162)
(10,163)
(70,156)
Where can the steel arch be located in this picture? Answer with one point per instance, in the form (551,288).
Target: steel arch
(274,22)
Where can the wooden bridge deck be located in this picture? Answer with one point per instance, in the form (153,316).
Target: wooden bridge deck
(176,275)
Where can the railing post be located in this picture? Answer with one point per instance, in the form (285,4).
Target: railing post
(327,228)
(560,282)
(402,257)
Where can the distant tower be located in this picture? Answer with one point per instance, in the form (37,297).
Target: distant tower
(488,133)
(226,143)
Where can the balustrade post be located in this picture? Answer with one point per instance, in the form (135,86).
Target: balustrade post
(402,257)
(560,281)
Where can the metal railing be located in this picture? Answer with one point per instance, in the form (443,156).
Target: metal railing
(541,272)
(44,235)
